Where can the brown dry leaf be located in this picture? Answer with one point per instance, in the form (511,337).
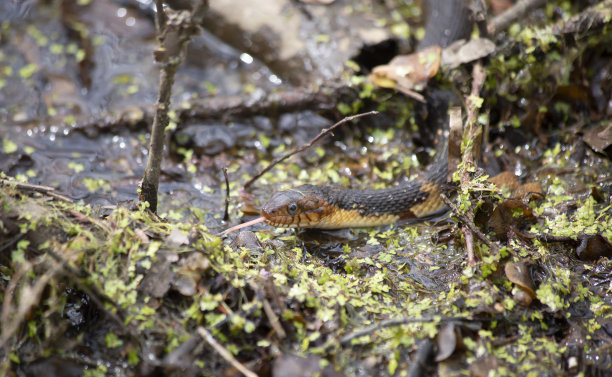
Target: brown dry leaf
(599,138)
(407,73)
(528,192)
(518,273)
(507,215)
(505,179)
(448,339)
(498,6)
(521,297)
(247,204)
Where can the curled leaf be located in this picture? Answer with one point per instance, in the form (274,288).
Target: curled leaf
(518,273)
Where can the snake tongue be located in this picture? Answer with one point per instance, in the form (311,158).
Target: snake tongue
(243,225)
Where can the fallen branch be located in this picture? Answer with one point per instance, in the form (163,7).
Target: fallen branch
(220,107)
(305,146)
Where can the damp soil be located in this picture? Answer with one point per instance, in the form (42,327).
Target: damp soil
(95,285)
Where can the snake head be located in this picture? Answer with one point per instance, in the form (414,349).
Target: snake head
(300,207)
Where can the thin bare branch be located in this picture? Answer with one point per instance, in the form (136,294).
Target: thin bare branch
(177,30)
(35,188)
(306,146)
(518,10)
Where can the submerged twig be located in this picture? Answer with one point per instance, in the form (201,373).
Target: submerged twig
(207,336)
(306,146)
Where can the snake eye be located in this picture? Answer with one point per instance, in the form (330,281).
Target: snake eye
(292,209)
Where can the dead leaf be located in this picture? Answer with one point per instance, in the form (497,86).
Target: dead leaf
(462,51)
(505,179)
(509,214)
(528,192)
(142,236)
(447,340)
(248,240)
(409,73)
(518,273)
(599,138)
(177,238)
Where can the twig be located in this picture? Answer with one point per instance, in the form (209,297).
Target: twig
(472,132)
(454,141)
(160,18)
(469,245)
(227,194)
(547,238)
(178,28)
(471,127)
(470,224)
(85,219)
(36,188)
(207,336)
(345,340)
(305,146)
(518,10)
(274,322)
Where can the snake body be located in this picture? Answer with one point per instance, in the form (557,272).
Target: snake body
(332,207)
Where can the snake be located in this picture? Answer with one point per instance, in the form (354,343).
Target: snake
(336,207)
